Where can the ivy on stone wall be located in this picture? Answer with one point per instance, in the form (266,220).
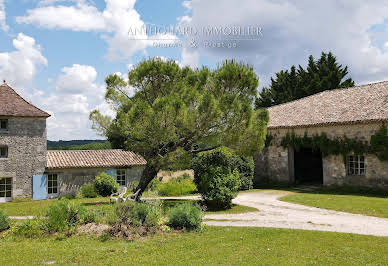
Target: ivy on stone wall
(378,144)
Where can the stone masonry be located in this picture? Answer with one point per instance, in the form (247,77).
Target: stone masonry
(70,180)
(275,164)
(26,141)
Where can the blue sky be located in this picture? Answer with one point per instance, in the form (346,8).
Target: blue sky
(56,53)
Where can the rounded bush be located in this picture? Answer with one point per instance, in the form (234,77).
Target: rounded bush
(220,186)
(216,175)
(88,191)
(4,220)
(225,158)
(105,184)
(185,216)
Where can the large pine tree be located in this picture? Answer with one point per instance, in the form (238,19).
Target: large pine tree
(323,74)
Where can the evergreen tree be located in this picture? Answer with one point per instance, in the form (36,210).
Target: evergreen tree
(174,109)
(323,74)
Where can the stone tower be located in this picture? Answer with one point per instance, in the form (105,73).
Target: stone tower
(23,144)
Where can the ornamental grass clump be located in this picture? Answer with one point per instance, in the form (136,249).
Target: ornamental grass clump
(185,216)
(138,214)
(65,215)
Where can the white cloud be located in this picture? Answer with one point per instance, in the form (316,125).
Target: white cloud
(20,66)
(294,29)
(184,20)
(113,22)
(190,57)
(3,24)
(187,4)
(77,79)
(81,17)
(75,94)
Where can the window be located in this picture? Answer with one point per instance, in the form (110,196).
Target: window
(52,184)
(356,165)
(6,188)
(3,125)
(3,152)
(121,178)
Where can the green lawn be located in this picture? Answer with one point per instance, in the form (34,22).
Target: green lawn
(215,245)
(360,203)
(29,207)
(35,208)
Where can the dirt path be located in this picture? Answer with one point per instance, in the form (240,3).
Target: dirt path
(279,214)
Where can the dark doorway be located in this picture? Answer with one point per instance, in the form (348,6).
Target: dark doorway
(308,166)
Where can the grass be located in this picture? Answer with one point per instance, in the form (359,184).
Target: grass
(26,207)
(35,208)
(344,199)
(214,246)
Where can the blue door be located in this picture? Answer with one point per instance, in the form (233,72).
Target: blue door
(39,187)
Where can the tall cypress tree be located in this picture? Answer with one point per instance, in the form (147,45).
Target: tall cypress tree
(288,85)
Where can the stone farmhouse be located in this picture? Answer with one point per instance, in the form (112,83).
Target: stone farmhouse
(357,113)
(28,170)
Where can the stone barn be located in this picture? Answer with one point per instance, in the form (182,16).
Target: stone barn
(28,170)
(326,139)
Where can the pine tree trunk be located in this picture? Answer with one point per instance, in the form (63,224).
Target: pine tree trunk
(148,174)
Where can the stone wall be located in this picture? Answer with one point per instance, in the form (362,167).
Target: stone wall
(276,163)
(271,165)
(26,141)
(70,180)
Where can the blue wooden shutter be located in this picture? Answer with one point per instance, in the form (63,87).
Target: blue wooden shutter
(39,187)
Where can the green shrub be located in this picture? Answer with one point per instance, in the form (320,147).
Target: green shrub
(219,186)
(185,216)
(179,186)
(154,185)
(29,228)
(105,184)
(64,215)
(225,158)
(217,176)
(245,167)
(88,191)
(138,214)
(4,220)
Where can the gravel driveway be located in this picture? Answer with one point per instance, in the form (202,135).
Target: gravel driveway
(279,214)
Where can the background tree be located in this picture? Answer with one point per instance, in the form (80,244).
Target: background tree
(323,74)
(175,108)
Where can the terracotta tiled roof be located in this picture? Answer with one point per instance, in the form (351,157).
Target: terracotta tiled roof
(92,159)
(359,104)
(12,104)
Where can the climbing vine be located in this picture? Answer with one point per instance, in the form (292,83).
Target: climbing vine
(378,144)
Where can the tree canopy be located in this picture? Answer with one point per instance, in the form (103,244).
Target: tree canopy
(288,85)
(177,112)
